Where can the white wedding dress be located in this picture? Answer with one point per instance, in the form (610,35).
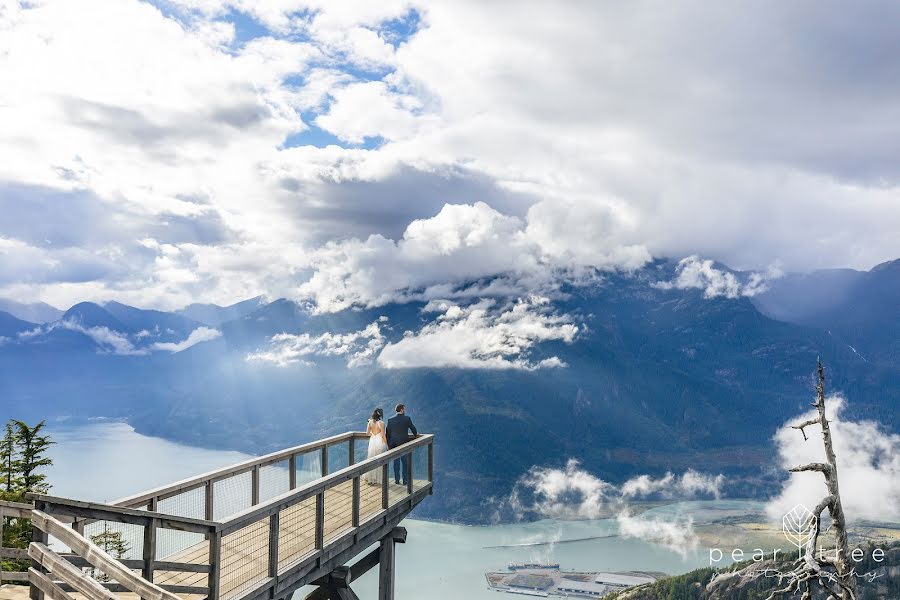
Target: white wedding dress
(376,446)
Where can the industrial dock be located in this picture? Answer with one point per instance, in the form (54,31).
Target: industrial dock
(545,580)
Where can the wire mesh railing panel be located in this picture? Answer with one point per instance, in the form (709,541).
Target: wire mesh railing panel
(338,456)
(420,467)
(191,504)
(119,540)
(360,449)
(397,472)
(309,467)
(244,559)
(232,495)
(370,494)
(338,509)
(296,532)
(171,543)
(274,480)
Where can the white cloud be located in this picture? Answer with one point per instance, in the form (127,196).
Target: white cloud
(690,483)
(358,347)
(677,535)
(696,273)
(868,460)
(481,336)
(109,340)
(716,145)
(201,334)
(573,493)
(442,256)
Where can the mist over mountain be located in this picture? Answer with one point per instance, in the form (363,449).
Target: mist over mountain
(677,365)
(34,312)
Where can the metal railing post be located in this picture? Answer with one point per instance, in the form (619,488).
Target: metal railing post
(324,460)
(351,453)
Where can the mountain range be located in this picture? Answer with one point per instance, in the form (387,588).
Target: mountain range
(654,378)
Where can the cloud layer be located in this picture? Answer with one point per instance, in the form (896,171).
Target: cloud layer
(213,150)
(573,493)
(868,460)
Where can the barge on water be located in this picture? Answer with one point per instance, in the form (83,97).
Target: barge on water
(544,580)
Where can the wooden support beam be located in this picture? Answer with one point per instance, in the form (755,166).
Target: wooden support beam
(354,506)
(274,526)
(409,472)
(149,551)
(385,492)
(254,485)
(38,536)
(209,499)
(320,520)
(386,569)
(82,582)
(97,557)
(430,462)
(215,556)
(46,585)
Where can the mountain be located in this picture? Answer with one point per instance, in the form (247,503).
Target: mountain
(11,327)
(215,315)
(34,312)
(656,378)
(161,326)
(861,308)
(90,315)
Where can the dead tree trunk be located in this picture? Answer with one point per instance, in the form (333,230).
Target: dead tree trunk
(835,575)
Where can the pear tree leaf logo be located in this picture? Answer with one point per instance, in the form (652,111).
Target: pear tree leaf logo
(798,526)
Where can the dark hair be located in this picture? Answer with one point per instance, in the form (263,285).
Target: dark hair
(399,407)
(377,414)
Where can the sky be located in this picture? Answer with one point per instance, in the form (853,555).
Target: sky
(345,153)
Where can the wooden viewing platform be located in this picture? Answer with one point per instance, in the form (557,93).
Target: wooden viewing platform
(257,530)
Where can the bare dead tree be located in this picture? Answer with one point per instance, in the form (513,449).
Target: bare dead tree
(835,574)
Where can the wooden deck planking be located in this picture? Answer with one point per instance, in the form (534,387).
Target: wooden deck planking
(245,552)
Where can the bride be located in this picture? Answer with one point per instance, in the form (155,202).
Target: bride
(377,445)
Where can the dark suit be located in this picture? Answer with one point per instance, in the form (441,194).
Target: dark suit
(397,433)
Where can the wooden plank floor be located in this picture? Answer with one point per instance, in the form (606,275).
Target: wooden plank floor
(245,552)
(244,559)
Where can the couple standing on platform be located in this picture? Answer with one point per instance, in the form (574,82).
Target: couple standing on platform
(384,437)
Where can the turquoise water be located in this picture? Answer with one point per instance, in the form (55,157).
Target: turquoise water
(104,461)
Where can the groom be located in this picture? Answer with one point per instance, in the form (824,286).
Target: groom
(398,427)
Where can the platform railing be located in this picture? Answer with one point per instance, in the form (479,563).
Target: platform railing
(290,512)
(303,528)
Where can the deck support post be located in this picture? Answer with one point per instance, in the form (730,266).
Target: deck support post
(209,499)
(351,451)
(292,472)
(215,556)
(387,562)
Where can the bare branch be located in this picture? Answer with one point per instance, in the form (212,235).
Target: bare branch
(820,467)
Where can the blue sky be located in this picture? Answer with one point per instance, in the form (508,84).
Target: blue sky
(213,150)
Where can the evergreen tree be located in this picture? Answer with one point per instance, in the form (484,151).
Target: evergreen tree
(7,457)
(113,544)
(32,449)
